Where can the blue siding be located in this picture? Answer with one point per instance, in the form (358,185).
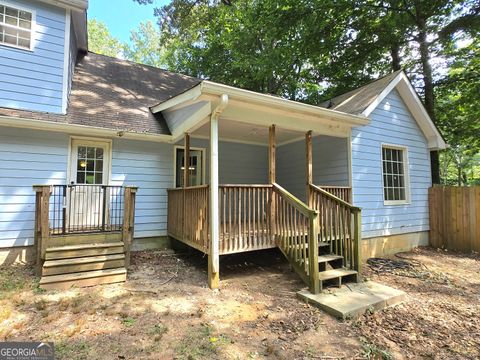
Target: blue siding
(27,157)
(391,123)
(150,167)
(238,163)
(33,80)
(330,164)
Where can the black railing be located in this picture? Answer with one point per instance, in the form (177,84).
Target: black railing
(86,208)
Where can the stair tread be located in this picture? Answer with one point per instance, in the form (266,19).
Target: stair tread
(85,246)
(320,244)
(81,275)
(83,260)
(335,273)
(329,257)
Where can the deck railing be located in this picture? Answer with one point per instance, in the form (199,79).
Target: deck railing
(188,215)
(296,226)
(341,192)
(85,208)
(63,211)
(244,220)
(339,224)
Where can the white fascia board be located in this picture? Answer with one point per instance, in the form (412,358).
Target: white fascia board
(187,96)
(74,129)
(273,102)
(68,4)
(413,103)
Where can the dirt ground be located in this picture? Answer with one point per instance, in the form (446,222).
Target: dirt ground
(165,311)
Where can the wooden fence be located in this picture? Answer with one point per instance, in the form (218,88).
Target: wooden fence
(455,217)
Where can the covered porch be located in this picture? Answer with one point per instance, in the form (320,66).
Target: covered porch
(269,143)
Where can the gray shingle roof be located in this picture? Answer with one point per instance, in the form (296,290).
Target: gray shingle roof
(356,101)
(116,94)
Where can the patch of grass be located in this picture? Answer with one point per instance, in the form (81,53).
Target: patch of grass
(72,350)
(12,279)
(128,321)
(158,331)
(40,304)
(371,351)
(199,343)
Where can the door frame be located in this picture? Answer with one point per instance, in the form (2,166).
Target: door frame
(107,160)
(204,162)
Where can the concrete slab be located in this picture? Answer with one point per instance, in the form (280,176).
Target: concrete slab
(351,300)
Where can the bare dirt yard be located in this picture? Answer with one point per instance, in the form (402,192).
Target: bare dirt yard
(165,311)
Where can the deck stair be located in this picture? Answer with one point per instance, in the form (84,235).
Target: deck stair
(321,240)
(83,265)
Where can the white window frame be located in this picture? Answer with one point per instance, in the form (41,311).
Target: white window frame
(87,141)
(204,162)
(32,29)
(404,150)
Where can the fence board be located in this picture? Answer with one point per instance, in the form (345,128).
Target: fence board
(455,217)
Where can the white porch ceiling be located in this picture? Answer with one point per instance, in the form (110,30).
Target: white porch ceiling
(248,133)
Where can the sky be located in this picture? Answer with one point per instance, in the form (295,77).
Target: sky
(121,16)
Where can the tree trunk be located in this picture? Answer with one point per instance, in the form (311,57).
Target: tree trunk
(395,54)
(429,94)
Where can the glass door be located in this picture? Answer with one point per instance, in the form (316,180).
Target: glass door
(195,167)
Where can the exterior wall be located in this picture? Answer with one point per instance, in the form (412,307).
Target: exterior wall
(238,163)
(27,157)
(33,80)
(391,123)
(330,164)
(150,167)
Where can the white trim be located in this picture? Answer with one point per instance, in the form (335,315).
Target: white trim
(406,169)
(32,30)
(66,61)
(204,162)
(107,160)
(413,103)
(70,4)
(270,101)
(197,119)
(224,139)
(188,95)
(80,129)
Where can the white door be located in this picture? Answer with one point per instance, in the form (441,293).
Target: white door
(89,169)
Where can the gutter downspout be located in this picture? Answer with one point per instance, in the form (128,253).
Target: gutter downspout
(214,253)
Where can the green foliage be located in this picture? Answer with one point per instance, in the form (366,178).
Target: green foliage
(101,41)
(145,47)
(311,50)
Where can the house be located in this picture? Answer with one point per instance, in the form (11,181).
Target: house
(326,184)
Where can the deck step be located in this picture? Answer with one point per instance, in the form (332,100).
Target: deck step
(83,250)
(90,263)
(328,258)
(335,273)
(81,279)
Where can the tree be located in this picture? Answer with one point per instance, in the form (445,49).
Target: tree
(307,50)
(101,41)
(458,111)
(145,47)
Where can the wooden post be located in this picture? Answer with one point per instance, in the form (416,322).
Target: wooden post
(271,178)
(128,221)
(357,235)
(271,155)
(308,153)
(186,161)
(213,256)
(313,253)
(42,226)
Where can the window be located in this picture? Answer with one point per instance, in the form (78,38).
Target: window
(395,188)
(196,172)
(16,27)
(89,162)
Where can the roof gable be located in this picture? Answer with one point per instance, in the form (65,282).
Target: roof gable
(364,100)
